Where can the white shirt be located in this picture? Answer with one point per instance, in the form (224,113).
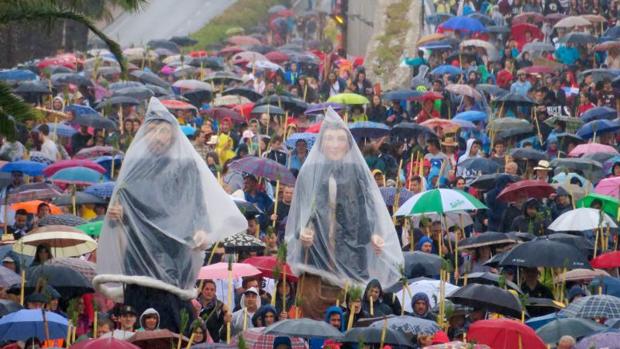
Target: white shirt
(50,149)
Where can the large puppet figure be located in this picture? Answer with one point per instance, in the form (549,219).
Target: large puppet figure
(166,208)
(339,230)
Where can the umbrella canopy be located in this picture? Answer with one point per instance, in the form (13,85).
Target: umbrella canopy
(95,152)
(103,190)
(7,306)
(408,325)
(157,339)
(33,206)
(600,340)
(486,239)
(599,113)
(419,263)
(591,307)
(304,328)
(242,242)
(463,23)
(590,148)
(104,342)
(491,298)
(464,90)
(368,129)
(33,191)
(389,195)
(376,336)
(571,22)
(609,203)
(487,182)
(220,271)
(27,323)
(526,189)
(409,130)
(504,333)
(256,338)
(149,78)
(263,167)
(528,154)
(63,164)
(243,91)
(80,198)
(64,241)
(581,274)
(591,128)
(439,201)
(578,38)
(472,116)
(8,277)
(27,167)
(268,265)
(68,282)
(480,165)
(543,252)
(607,260)
(268,109)
(582,219)
(575,327)
(78,175)
(92,229)
(426,286)
(348,99)
(84,267)
(488,278)
(402,94)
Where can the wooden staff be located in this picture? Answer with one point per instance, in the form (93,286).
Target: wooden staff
(410,170)
(68,339)
(95,323)
(275,204)
(383,332)
(456,247)
(540,139)
(230,300)
(245,317)
(346,290)
(596,242)
(351,316)
(191,340)
(23,284)
(442,298)
(372,306)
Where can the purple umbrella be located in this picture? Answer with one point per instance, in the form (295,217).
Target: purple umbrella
(34,191)
(600,340)
(262,167)
(320,108)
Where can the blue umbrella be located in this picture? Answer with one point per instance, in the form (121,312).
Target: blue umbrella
(389,195)
(539,321)
(471,116)
(447,69)
(106,162)
(17,75)
(597,126)
(437,18)
(408,325)
(309,138)
(27,167)
(369,129)
(77,175)
(613,32)
(437,45)
(61,129)
(480,165)
(103,190)
(8,277)
(463,23)
(188,130)
(466,125)
(568,177)
(80,110)
(599,113)
(399,95)
(28,323)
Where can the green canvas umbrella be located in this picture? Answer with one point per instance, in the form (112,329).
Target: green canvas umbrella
(349,99)
(609,203)
(93,229)
(439,201)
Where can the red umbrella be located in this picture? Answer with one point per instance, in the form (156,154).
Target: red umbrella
(158,339)
(243,40)
(199,53)
(607,260)
(538,69)
(554,17)
(505,334)
(526,189)
(267,265)
(314,128)
(230,50)
(221,113)
(277,57)
(104,343)
(175,104)
(95,152)
(518,33)
(244,109)
(61,165)
(528,17)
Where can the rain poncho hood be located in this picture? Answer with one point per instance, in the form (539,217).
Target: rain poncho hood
(334,309)
(337,198)
(172,208)
(421,296)
(149,311)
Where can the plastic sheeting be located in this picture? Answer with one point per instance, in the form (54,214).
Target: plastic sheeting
(338,210)
(173,208)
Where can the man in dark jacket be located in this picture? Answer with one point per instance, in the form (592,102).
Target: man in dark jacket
(532,220)
(373,300)
(421,307)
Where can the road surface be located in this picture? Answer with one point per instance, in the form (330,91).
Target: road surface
(163,19)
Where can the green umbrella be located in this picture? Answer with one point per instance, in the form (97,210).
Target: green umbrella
(348,98)
(610,203)
(439,201)
(93,228)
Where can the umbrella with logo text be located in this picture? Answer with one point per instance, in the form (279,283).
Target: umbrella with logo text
(439,201)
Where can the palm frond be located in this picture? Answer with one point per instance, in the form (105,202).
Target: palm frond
(12,108)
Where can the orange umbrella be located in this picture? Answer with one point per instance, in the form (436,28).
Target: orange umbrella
(31,207)
(430,38)
(174,104)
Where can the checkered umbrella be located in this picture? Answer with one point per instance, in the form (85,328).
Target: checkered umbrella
(603,306)
(255,338)
(389,195)
(62,219)
(263,167)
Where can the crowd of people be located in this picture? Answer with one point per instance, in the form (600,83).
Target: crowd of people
(512,106)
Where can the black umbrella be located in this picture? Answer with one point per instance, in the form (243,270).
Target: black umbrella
(513,97)
(167,44)
(304,328)
(576,240)
(81,198)
(578,38)
(599,157)
(95,121)
(410,130)
(293,104)
(489,238)
(268,109)
(419,264)
(402,94)
(576,164)
(39,87)
(492,90)
(198,97)
(183,40)
(242,242)
(243,91)
(206,62)
(159,91)
(488,297)
(68,282)
(487,182)
(495,261)
(149,78)
(487,278)
(117,100)
(498,29)
(599,74)
(7,307)
(480,165)
(137,92)
(528,154)
(223,77)
(70,78)
(546,253)
(124,84)
(60,69)
(62,219)
(371,335)
(551,332)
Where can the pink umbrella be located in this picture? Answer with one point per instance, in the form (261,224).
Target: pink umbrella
(609,186)
(61,165)
(590,148)
(220,271)
(248,57)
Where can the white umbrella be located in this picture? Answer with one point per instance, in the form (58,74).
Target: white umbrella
(452,219)
(491,50)
(265,65)
(582,219)
(430,287)
(64,241)
(571,22)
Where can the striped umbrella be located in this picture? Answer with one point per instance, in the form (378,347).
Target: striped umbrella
(63,164)
(439,201)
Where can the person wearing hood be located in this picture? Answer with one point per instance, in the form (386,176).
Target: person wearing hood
(531,220)
(149,320)
(334,316)
(472,151)
(561,203)
(284,290)
(425,244)
(373,300)
(251,302)
(422,307)
(282,342)
(267,315)
(497,207)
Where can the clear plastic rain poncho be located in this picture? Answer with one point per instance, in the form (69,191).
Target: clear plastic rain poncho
(337,201)
(173,208)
